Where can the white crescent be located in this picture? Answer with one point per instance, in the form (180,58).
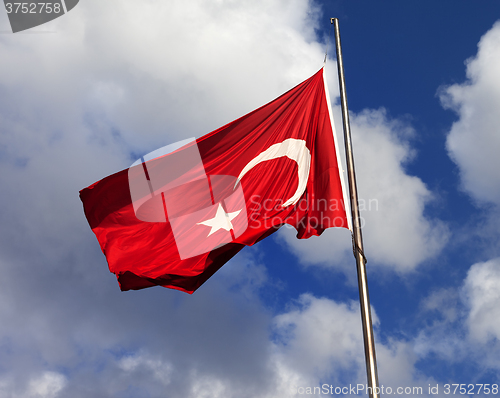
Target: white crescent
(295,150)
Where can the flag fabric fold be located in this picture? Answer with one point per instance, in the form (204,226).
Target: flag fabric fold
(234,186)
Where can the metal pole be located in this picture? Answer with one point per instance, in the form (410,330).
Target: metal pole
(366,318)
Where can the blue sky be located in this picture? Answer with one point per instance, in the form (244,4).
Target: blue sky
(83,96)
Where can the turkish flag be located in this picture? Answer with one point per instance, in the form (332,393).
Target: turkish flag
(179,213)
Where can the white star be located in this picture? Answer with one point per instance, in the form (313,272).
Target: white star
(222,220)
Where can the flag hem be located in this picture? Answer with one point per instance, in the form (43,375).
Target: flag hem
(347,205)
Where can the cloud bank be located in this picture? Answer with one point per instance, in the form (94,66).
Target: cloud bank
(473,141)
(398,236)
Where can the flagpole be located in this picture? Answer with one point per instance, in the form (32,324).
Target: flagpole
(366,318)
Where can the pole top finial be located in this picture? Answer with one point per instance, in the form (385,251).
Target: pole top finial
(331,20)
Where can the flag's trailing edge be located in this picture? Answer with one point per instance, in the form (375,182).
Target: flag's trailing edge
(345,194)
(175,217)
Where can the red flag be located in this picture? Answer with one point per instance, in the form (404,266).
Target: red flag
(178,214)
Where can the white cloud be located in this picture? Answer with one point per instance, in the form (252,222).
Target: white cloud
(483,296)
(47,385)
(320,337)
(119,73)
(320,341)
(155,367)
(208,387)
(443,332)
(473,141)
(397,234)
(462,324)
